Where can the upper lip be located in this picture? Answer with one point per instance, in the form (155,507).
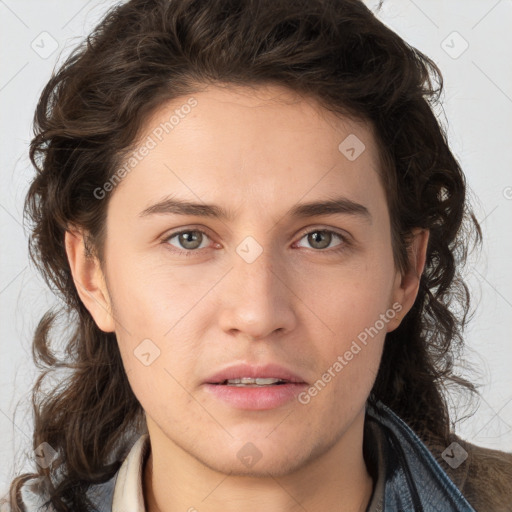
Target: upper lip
(238,371)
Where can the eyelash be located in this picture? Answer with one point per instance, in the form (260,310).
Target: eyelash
(191,252)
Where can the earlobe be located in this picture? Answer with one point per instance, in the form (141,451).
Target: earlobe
(406,285)
(89,280)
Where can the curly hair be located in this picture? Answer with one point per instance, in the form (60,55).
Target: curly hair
(89,115)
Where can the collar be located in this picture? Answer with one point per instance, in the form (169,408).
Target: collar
(414,480)
(128,494)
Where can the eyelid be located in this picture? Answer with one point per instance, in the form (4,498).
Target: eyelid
(315,229)
(177,250)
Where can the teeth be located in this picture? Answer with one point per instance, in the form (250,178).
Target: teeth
(259,381)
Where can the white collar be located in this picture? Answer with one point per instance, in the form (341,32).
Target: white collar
(128,493)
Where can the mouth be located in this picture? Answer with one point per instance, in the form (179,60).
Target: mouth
(250,387)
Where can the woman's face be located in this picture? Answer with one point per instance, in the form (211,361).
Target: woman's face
(313,290)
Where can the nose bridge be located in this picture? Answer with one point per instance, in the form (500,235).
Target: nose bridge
(255,268)
(256,301)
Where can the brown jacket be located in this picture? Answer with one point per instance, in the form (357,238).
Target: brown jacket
(484,478)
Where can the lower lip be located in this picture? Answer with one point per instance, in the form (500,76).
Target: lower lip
(256,399)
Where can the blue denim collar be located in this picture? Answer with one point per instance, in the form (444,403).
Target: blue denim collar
(413,479)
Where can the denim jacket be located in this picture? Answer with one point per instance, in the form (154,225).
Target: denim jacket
(409,477)
(413,479)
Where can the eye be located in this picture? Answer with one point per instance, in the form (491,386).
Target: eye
(189,240)
(321,239)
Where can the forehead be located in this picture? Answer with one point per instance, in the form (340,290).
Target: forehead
(258,147)
(242,111)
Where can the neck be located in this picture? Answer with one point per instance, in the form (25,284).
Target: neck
(175,481)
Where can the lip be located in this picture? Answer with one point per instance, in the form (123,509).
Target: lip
(256,399)
(271,370)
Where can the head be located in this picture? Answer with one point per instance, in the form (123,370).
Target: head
(230,104)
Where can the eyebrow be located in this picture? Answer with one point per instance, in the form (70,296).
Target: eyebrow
(337,205)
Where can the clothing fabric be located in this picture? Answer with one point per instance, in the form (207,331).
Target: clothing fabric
(413,479)
(407,477)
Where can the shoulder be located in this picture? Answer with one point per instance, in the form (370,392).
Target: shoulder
(489,480)
(483,475)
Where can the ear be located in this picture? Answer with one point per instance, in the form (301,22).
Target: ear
(89,280)
(406,285)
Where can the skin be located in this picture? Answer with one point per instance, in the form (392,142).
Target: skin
(300,303)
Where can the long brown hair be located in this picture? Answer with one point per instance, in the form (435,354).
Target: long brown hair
(145,52)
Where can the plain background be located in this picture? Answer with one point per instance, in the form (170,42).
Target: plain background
(471,42)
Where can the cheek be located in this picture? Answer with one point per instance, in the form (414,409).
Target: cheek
(150,308)
(348,316)
(348,360)
(152,297)
(349,297)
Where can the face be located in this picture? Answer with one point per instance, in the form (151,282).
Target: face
(312,290)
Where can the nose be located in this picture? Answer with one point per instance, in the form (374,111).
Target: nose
(257,298)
